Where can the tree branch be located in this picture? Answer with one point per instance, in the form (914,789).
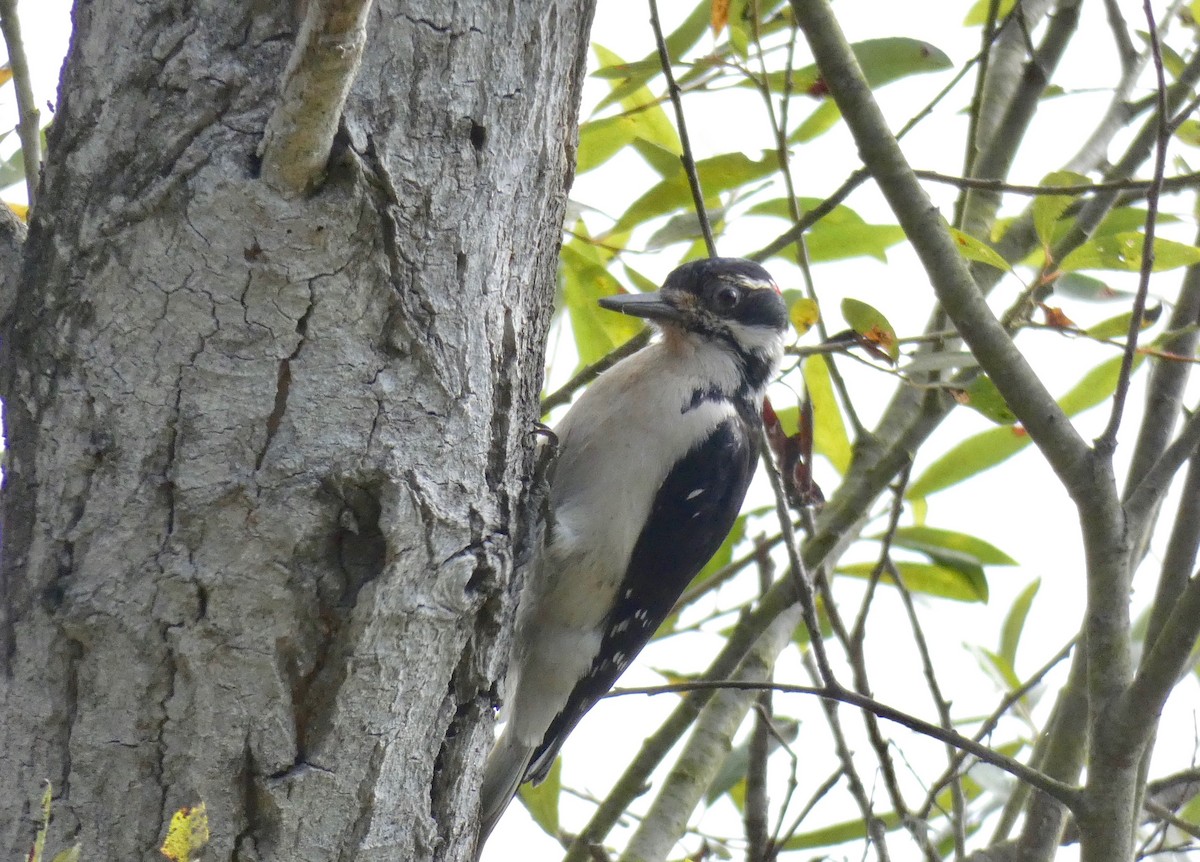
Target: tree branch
(1009,370)
(1067,794)
(27,112)
(298,137)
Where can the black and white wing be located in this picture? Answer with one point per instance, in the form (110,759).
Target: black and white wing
(693,511)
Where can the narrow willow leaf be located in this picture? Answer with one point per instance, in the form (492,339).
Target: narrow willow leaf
(633,76)
(1014,622)
(1076,285)
(1048,209)
(1189,132)
(992,447)
(948,543)
(982,396)
(840,234)
(829,431)
(931,579)
(973,249)
(596,331)
(1123,252)
(652,134)
(978,13)
(870,323)
(717,174)
(1118,327)
(542,799)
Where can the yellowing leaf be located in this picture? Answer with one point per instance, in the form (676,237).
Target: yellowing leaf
(187,834)
(977,16)
(39,840)
(542,799)
(5,73)
(22,210)
(868,322)
(804,314)
(829,431)
(973,249)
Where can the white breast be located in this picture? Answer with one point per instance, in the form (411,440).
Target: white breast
(616,446)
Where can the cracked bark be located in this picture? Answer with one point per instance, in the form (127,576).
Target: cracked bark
(266,457)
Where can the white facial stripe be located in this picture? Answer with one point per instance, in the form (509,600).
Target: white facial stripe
(756,284)
(763,339)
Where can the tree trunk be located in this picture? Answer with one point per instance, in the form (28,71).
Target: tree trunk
(266,458)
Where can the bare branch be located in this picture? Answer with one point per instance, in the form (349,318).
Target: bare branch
(296,144)
(960,297)
(28,121)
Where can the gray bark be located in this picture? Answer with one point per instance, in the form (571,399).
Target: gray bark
(266,457)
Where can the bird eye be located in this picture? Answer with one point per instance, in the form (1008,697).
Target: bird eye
(726,298)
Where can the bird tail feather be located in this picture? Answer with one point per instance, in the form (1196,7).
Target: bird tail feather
(506,768)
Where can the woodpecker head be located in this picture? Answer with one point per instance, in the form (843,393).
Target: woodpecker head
(729,302)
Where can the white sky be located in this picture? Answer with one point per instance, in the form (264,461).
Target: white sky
(1019,508)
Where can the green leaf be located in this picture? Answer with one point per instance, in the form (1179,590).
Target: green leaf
(839,235)
(1076,285)
(1095,387)
(1118,327)
(973,249)
(978,13)
(983,396)
(717,174)
(1014,622)
(948,543)
(1048,209)
(882,61)
(838,833)
(868,322)
(71,854)
(647,130)
(542,799)
(829,431)
(633,76)
(737,762)
(1000,668)
(685,227)
(1188,132)
(596,331)
(964,584)
(992,447)
(1123,251)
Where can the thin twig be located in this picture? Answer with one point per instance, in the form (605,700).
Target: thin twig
(689,162)
(1181,183)
(27,113)
(1069,795)
(990,724)
(1107,441)
(957,798)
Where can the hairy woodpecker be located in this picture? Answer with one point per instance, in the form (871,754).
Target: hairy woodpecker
(653,464)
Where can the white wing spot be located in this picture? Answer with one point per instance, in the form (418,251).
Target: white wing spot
(695,494)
